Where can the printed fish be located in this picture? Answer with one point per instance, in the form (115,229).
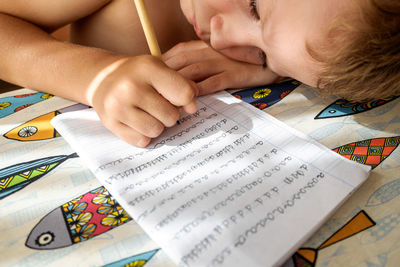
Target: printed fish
(384,194)
(78,220)
(12,104)
(370,151)
(134,261)
(308,256)
(384,226)
(16,177)
(40,127)
(343,107)
(265,96)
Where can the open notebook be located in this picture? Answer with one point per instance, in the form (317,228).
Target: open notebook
(227,186)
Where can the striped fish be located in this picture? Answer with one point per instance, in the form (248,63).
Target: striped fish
(16,177)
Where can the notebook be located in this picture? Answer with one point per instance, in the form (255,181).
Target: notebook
(226,186)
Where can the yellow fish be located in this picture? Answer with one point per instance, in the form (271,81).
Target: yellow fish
(40,127)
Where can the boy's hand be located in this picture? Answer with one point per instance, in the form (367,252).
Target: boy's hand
(214,71)
(137,97)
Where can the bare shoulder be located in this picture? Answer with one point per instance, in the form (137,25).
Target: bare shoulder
(50,14)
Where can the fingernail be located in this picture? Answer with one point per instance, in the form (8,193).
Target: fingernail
(191,107)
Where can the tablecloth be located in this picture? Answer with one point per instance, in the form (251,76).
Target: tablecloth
(53,211)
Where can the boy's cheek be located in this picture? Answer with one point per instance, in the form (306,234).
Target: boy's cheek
(187,10)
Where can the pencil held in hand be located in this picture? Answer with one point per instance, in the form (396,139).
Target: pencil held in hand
(148,29)
(153,44)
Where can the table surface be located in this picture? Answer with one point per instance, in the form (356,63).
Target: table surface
(53,211)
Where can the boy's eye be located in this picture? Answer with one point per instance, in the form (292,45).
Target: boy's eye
(263,57)
(254,9)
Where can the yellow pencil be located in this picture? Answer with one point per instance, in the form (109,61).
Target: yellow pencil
(148,29)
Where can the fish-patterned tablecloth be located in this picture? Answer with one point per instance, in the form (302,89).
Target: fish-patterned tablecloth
(54,212)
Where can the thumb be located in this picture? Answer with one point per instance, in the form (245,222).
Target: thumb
(192,107)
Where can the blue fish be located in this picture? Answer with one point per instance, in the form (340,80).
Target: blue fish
(384,226)
(265,96)
(343,107)
(384,194)
(134,261)
(16,177)
(12,104)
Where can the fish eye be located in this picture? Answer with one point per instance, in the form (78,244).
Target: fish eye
(45,238)
(27,131)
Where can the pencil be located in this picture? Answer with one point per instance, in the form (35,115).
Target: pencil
(148,29)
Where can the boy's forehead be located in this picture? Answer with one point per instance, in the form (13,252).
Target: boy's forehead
(296,34)
(345,17)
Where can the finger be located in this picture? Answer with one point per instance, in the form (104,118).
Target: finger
(246,54)
(191,107)
(182,47)
(257,75)
(130,135)
(244,77)
(202,70)
(148,101)
(213,84)
(142,122)
(186,58)
(178,90)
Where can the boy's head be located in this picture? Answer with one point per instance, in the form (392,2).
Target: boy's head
(348,48)
(362,58)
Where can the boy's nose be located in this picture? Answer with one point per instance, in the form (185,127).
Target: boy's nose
(226,33)
(218,38)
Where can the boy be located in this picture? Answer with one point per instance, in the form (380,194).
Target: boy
(137,96)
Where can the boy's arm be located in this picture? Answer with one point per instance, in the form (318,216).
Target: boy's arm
(31,58)
(51,15)
(130,100)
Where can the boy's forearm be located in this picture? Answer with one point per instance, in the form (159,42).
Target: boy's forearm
(31,58)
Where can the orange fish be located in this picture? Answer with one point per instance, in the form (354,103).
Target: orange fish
(307,257)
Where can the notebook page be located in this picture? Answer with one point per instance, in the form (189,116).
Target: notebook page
(227,186)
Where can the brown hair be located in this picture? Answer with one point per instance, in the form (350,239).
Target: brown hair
(361,61)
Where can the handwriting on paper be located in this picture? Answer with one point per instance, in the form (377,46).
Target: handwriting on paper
(228,185)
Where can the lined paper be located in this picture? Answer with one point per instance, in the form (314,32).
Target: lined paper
(227,186)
